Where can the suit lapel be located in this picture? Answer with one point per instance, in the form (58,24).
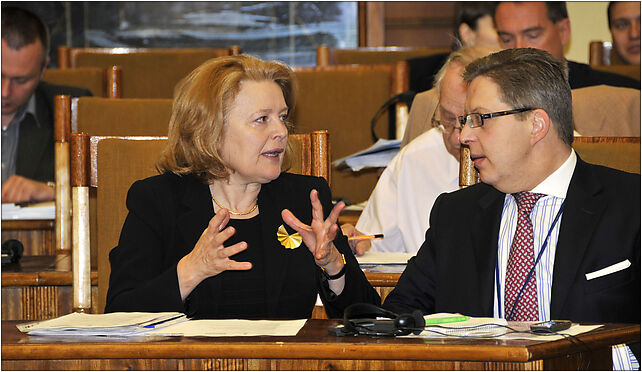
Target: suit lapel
(484,235)
(582,209)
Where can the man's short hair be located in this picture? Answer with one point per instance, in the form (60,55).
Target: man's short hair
(469,12)
(555,10)
(609,9)
(21,27)
(529,77)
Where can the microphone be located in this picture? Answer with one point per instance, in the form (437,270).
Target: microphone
(12,251)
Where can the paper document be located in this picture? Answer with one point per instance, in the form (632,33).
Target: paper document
(384,258)
(32,211)
(232,327)
(494,328)
(378,155)
(112,324)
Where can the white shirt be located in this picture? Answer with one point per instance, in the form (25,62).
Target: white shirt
(400,204)
(554,187)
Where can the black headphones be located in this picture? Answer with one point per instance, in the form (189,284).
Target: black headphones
(361,319)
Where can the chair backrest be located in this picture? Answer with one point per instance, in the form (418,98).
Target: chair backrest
(123,117)
(146,73)
(605,110)
(327,56)
(101,82)
(343,99)
(621,153)
(111,171)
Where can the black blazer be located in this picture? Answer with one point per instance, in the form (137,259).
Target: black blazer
(35,154)
(454,268)
(167,215)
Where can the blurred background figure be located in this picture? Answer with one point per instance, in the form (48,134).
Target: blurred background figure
(546,26)
(624,23)
(27,109)
(473,25)
(427,166)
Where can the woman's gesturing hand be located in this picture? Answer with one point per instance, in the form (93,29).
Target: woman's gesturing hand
(319,235)
(209,257)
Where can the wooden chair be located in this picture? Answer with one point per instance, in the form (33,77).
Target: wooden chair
(327,56)
(101,82)
(107,161)
(604,110)
(97,117)
(146,73)
(600,53)
(343,99)
(621,153)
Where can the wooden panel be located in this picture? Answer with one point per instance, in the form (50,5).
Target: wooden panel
(37,236)
(421,23)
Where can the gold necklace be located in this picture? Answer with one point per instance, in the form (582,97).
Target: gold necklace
(234,212)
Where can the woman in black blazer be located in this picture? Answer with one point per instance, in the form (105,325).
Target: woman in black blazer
(217,234)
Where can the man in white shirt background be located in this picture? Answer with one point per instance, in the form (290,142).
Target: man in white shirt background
(426,167)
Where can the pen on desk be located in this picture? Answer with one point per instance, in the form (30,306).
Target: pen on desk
(449,319)
(365,237)
(153,325)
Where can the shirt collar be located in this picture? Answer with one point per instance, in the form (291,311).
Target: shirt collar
(557,183)
(27,108)
(31,108)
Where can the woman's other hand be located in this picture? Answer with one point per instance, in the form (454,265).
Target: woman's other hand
(319,236)
(209,257)
(359,247)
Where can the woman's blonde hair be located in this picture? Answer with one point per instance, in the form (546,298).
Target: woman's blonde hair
(200,109)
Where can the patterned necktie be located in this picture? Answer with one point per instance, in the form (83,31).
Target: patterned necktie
(520,261)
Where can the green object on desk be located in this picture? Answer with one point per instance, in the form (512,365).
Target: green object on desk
(448,319)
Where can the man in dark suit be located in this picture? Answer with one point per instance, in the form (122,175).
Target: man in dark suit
(580,260)
(27,109)
(545,25)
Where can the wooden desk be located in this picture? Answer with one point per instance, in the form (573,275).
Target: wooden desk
(37,236)
(311,349)
(34,290)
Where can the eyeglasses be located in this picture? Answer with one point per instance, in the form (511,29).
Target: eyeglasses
(475,119)
(446,127)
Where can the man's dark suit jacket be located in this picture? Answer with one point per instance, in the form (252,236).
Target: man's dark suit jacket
(167,215)
(35,157)
(454,270)
(580,75)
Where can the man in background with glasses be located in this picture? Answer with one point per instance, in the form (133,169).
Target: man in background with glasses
(426,167)
(545,235)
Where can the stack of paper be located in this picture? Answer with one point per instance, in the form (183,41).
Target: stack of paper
(384,261)
(378,155)
(157,324)
(31,211)
(112,324)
